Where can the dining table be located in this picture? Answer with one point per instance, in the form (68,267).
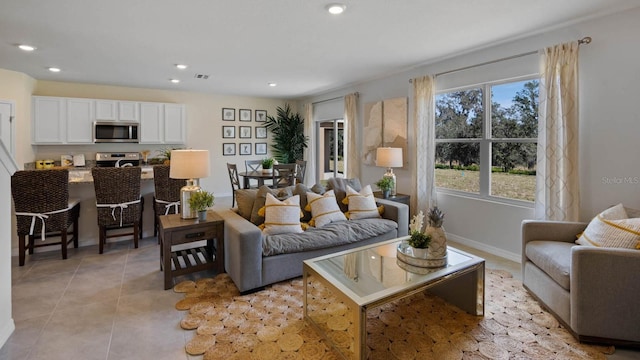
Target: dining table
(258,175)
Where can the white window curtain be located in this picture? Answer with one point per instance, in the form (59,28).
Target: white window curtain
(557,196)
(424,137)
(352,167)
(310,153)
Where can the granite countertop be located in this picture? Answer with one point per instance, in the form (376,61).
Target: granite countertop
(81,175)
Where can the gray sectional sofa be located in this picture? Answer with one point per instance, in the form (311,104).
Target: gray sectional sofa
(593,291)
(254,260)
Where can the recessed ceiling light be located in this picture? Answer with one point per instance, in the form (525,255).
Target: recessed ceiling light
(54,69)
(272,84)
(26,47)
(336,9)
(175,81)
(181,66)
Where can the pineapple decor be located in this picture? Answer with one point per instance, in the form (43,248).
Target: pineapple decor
(438,245)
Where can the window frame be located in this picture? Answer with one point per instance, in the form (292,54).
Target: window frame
(486,142)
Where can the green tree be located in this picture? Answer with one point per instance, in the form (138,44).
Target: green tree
(289,140)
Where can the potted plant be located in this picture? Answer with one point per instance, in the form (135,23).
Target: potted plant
(385,185)
(418,240)
(267,163)
(200,201)
(166,154)
(289,140)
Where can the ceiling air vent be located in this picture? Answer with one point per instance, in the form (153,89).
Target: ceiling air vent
(202,76)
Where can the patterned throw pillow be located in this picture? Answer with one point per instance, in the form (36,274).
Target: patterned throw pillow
(612,228)
(324,209)
(282,217)
(362,205)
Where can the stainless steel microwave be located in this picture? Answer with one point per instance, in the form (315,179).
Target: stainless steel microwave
(116,132)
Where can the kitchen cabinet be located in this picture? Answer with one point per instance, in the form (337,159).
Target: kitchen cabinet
(128,111)
(80,121)
(49,123)
(175,126)
(151,123)
(8,126)
(106,110)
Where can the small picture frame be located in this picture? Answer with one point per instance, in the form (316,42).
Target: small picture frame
(245,114)
(228,132)
(261,132)
(245,132)
(261,115)
(228,114)
(245,148)
(261,148)
(228,149)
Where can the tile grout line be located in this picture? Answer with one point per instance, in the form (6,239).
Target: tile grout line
(113,322)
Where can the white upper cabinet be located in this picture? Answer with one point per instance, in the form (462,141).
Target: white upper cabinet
(80,121)
(49,123)
(175,124)
(128,111)
(151,123)
(106,110)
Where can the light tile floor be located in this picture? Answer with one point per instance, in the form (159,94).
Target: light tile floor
(113,306)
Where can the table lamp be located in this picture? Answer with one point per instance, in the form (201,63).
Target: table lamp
(389,157)
(190,165)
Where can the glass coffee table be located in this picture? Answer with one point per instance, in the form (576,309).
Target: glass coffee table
(339,289)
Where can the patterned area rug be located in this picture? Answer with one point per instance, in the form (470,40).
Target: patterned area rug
(269,325)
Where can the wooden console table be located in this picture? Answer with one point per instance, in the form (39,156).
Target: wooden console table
(175,231)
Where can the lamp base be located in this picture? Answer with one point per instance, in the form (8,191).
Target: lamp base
(390,174)
(185,194)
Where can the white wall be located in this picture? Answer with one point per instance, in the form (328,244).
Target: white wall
(609,126)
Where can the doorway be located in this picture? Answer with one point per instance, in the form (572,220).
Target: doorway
(330,155)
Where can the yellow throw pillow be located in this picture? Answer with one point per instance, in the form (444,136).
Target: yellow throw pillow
(362,205)
(324,209)
(282,217)
(612,228)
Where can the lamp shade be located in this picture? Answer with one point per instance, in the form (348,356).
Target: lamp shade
(389,157)
(189,164)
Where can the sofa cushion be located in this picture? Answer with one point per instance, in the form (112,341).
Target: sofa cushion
(330,235)
(245,199)
(339,187)
(612,228)
(324,209)
(362,205)
(261,198)
(282,217)
(552,257)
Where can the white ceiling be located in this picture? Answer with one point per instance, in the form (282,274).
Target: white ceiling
(244,44)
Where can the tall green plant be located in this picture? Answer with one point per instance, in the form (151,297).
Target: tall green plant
(289,140)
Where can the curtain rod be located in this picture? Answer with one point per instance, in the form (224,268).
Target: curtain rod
(332,99)
(584,40)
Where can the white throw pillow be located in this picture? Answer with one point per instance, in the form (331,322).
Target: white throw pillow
(282,217)
(612,228)
(362,205)
(324,209)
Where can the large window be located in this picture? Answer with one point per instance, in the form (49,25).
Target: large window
(495,158)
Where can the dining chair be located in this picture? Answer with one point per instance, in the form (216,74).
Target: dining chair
(43,209)
(300,171)
(235,181)
(283,175)
(252,165)
(166,198)
(118,201)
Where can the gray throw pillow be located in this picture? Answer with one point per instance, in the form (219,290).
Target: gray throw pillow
(245,199)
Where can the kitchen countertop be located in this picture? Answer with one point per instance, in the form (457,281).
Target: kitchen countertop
(81,175)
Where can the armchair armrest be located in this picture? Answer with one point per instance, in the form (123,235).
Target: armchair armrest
(243,250)
(605,292)
(397,212)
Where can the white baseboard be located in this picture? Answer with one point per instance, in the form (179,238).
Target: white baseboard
(6,331)
(486,248)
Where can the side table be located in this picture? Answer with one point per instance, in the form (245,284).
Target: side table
(401,198)
(174,231)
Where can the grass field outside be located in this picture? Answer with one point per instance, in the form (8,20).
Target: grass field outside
(511,186)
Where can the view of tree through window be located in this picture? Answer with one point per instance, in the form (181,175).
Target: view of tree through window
(464,142)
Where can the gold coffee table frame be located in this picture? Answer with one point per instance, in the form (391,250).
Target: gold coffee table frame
(339,289)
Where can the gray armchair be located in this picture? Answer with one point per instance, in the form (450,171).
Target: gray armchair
(594,292)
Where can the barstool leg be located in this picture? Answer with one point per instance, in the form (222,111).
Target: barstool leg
(101,239)
(63,240)
(21,249)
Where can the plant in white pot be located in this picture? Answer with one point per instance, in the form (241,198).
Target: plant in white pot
(200,201)
(267,164)
(438,247)
(418,240)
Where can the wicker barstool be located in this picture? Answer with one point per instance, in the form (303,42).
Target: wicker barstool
(166,199)
(118,202)
(43,209)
